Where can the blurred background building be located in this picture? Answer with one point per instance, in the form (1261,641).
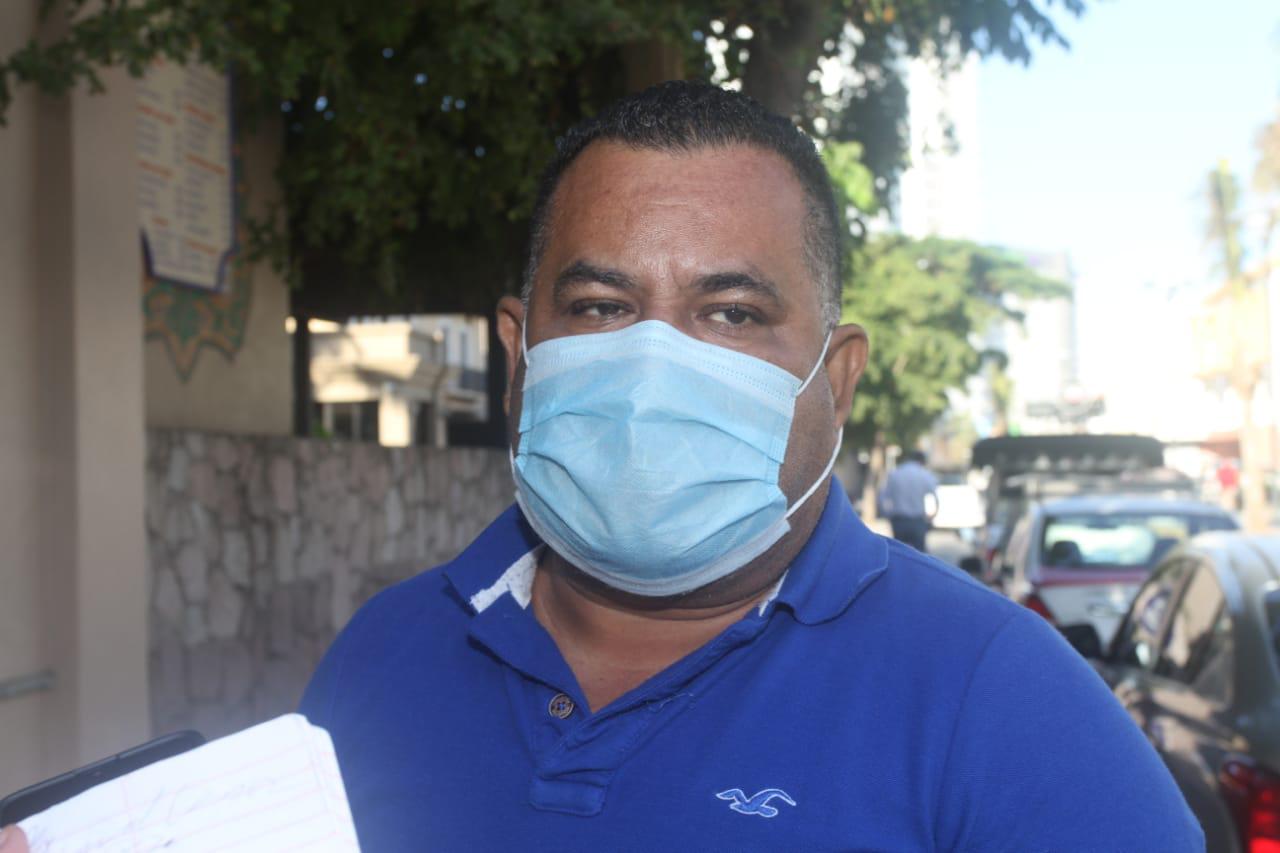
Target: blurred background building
(399,380)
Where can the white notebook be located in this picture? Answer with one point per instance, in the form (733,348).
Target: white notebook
(274,786)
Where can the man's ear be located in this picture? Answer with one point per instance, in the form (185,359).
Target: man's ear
(846,359)
(510,326)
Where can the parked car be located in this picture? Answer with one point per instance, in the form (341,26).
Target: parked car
(1025,468)
(1195,663)
(1023,490)
(1081,559)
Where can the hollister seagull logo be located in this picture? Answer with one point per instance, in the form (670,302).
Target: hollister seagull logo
(758,804)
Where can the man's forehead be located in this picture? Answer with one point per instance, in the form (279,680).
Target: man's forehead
(608,165)
(737,199)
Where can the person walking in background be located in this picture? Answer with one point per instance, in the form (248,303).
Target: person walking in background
(1229,485)
(909,500)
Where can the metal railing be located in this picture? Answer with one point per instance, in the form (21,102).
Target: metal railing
(34,682)
(473,380)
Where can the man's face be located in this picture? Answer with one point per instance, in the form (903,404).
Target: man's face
(711,242)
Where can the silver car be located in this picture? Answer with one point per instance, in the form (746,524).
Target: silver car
(1081,559)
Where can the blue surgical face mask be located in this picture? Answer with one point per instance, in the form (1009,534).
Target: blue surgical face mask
(649,459)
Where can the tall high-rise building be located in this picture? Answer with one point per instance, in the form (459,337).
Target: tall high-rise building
(940,192)
(1043,365)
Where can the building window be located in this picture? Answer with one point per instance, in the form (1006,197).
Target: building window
(350,421)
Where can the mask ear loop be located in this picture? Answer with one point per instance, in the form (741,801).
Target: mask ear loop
(524,353)
(524,337)
(822,478)
(821,358)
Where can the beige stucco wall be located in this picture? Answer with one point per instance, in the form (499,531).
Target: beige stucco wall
(250,391)
(73,582)
(21,646)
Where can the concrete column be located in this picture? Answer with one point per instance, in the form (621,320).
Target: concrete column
(439,421)
(395,418)
(109,442)
(23,472)
(73,579)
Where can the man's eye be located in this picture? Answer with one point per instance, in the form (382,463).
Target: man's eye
(601,310)
(734,315)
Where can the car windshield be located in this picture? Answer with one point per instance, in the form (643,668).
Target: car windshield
(1120,540)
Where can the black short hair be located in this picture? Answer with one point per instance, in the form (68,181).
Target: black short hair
(686,116)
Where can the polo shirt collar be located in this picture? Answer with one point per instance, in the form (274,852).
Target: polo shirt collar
(500,561)
(840,560)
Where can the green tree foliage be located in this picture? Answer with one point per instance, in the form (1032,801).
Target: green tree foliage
(855,188)
(926,304)
(416,128)
(400,117)
(786,40)
(1226,237)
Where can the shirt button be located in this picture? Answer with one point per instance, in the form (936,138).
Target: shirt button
(560,707)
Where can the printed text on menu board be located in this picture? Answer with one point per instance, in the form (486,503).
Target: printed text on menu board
(186,180)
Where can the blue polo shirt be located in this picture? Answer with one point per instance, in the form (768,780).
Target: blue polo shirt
(879,700)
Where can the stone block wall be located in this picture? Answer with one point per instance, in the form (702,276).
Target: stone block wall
(261,548)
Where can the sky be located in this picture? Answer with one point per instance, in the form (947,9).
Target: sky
(1102,150)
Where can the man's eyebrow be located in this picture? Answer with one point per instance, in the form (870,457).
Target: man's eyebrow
(581,272)
(720,281)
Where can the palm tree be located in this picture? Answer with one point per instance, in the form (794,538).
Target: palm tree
(1245,371)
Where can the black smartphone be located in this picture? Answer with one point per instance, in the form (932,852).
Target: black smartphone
(40,796)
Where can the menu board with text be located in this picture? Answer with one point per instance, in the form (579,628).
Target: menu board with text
(186,175)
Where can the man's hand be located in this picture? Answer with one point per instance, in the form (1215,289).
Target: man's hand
(13,840)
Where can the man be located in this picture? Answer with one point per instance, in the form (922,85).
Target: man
(682,638)
(910,500)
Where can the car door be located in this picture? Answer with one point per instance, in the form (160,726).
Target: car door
(1132,655)
(1183,699)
